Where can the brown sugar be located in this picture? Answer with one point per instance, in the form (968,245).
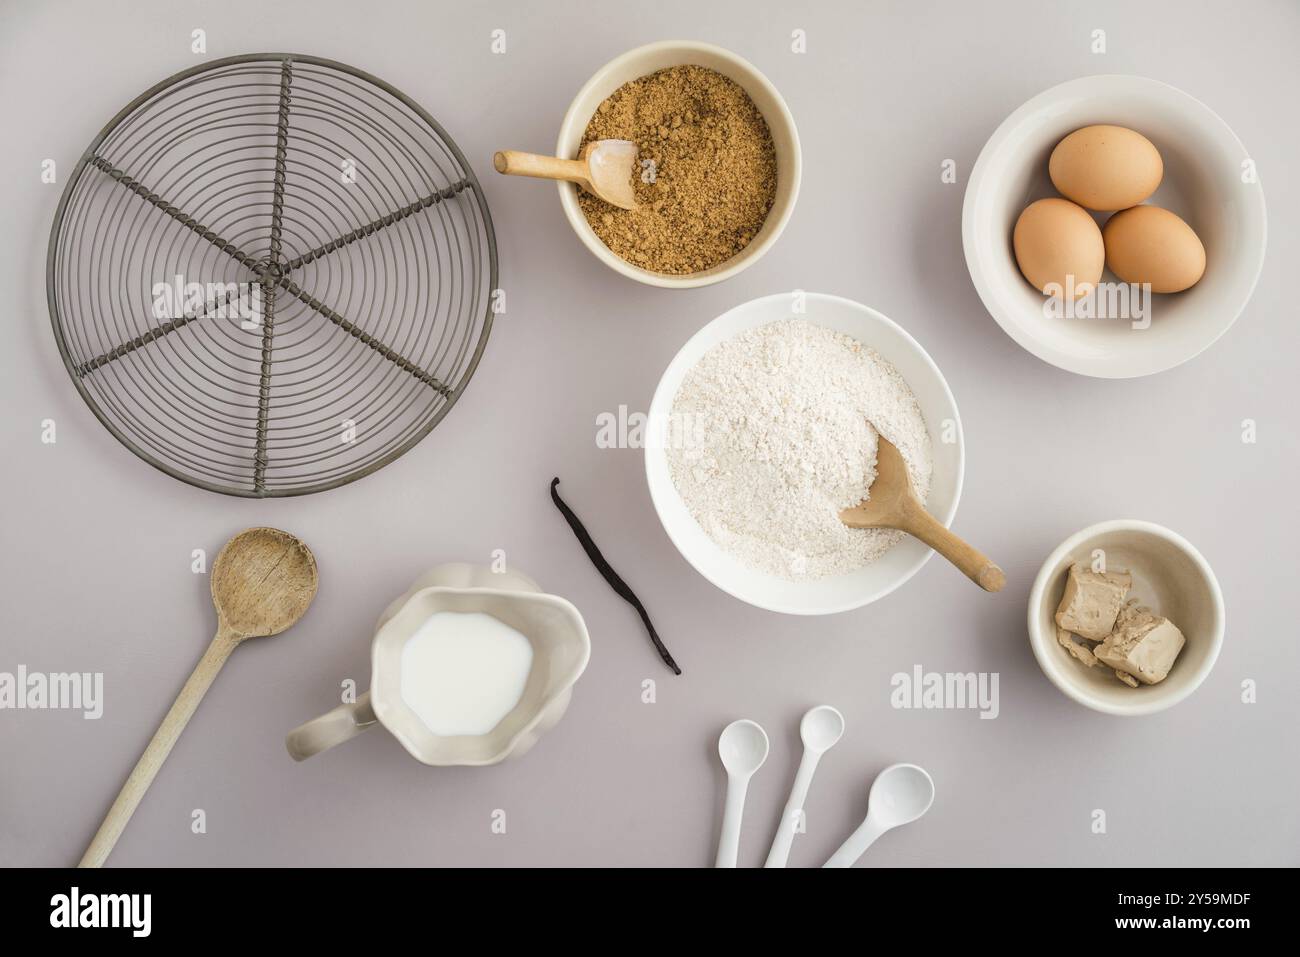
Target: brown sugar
(706,168)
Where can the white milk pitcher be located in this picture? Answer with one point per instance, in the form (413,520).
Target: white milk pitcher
(560,649)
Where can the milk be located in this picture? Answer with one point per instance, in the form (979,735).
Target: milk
(462,672)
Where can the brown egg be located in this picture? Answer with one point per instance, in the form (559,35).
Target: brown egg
(1106,167)
(1054,239)
(1150,244)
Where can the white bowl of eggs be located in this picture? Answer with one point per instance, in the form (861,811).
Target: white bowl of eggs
(1114,226)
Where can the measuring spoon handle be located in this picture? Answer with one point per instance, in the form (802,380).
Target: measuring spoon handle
(142,775)
(785,831)
(857,843)
(733,811)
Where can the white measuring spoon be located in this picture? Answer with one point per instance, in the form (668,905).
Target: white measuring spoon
(820,729)
(743,749)
(900,794)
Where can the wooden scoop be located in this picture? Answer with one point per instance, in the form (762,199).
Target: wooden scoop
(604,168)
(262,582)
(893,504)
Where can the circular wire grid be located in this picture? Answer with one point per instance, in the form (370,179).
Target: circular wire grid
(271,275)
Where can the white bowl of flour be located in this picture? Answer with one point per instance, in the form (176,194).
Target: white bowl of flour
(765,425)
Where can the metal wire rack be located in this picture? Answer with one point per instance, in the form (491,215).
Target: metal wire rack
(271,275)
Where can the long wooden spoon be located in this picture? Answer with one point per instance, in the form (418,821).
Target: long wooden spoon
(604,168)
(893,504)
(262,582)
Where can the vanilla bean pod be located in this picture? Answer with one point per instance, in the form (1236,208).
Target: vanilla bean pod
(611,576)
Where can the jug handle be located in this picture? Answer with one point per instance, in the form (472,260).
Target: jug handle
(333,727)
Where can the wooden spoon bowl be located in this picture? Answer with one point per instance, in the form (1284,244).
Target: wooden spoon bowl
(262,582)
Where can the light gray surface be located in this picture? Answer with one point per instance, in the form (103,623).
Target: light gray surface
(96,563)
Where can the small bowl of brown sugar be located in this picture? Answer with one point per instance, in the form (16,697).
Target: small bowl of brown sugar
(718,163)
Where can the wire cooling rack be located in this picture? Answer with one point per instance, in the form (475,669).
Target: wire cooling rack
(271,275)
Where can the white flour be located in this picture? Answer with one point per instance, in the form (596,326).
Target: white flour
(783,437)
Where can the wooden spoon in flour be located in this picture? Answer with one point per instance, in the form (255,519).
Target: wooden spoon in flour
(604,168)
(893,504)
(262,582)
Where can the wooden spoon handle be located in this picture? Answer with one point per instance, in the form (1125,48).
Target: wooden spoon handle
(155,754)
(515,163)
(973,563)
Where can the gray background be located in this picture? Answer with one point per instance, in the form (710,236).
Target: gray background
(96,563)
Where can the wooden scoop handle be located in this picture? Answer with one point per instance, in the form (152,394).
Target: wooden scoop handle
(182,709)
(515,163)
(973,563)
